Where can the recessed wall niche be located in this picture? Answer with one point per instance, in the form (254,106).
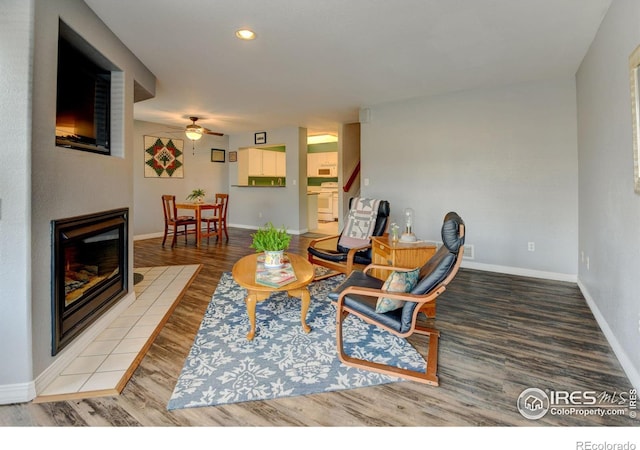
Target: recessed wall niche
(84,98)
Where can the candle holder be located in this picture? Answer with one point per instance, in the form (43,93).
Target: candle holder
(394,232)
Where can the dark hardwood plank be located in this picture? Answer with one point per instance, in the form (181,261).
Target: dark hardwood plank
(500,334)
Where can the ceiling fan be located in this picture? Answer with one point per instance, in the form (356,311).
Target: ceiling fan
(195,132)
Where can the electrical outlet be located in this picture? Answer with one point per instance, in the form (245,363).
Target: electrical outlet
(531,246)
(587,263)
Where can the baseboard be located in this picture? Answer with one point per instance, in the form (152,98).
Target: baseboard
(17,393)
(141,237)
(627,366)
(520,271)
(255,227)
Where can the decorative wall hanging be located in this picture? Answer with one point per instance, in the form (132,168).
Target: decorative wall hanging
(233,156)
(163,157)
(217,155)
(260,138)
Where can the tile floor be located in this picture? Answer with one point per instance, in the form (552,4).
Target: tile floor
(106,361)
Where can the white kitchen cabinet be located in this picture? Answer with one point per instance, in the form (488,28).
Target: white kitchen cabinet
(255,162)
(269,163)
(329,159)
(323,164)
(281,165)
(312,164)
(266,163)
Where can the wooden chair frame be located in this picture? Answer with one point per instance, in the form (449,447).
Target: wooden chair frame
(173,222)
(426,305)
(219,220)
(337,267)
(341,267)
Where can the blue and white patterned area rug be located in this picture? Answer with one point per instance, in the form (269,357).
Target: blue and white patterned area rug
(282,360)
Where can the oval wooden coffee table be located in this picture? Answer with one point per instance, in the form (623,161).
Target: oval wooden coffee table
(244,272)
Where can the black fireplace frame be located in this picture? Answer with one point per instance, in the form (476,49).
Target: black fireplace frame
(67,323)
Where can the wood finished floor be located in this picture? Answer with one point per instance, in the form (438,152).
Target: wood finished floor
(500,334)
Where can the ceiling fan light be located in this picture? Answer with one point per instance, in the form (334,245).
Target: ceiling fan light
(245,34)
(193,132)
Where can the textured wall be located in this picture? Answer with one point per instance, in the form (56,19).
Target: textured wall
(505,159)
(609,207)
(16,28)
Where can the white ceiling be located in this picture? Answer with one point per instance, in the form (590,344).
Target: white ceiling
(315,63)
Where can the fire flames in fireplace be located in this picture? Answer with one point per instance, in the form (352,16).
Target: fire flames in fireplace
(82,273)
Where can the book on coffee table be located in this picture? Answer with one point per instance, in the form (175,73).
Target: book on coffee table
(274,277)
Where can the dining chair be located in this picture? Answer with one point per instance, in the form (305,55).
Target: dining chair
(219,217)
(173,222)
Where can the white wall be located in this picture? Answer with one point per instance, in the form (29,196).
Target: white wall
(199,172)
(609,207)
(286,206)
(505,159)
(60,182)
(16,29)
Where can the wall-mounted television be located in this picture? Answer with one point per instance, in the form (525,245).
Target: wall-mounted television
(83,102)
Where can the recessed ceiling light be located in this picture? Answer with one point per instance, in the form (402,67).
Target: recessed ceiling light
(245,34)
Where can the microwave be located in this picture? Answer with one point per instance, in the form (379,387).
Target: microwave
(329,170)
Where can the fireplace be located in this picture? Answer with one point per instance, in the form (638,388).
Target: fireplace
(89,271)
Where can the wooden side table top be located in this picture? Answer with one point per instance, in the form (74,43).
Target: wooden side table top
(385,241)
(244,272)
(399,254)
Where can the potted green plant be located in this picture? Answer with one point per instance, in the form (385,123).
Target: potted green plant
(197,195)
(273,242)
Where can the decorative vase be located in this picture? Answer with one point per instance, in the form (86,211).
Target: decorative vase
(273,259)
(199,200)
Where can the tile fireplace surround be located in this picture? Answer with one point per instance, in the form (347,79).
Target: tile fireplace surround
(108,362)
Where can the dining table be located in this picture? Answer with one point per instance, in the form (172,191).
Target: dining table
(198,207)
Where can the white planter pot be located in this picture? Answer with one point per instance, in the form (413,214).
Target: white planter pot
(274,259)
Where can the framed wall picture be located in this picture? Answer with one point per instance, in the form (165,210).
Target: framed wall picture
(217,155)
(261,138)
(233,156)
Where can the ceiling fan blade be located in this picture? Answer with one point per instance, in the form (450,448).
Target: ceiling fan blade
(214,133)
(202,129)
